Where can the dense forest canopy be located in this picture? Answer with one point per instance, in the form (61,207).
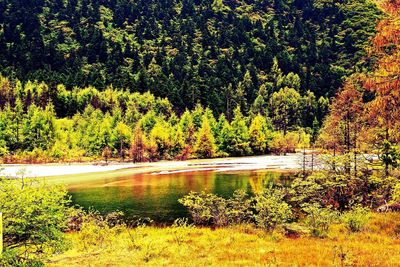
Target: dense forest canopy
(39,123)
(149,80)
(365,115)
(214,52)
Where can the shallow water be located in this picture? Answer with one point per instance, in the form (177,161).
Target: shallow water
(156,196)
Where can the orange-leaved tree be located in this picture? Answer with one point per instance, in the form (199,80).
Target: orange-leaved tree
(384,81)
(342,128)
(383,112)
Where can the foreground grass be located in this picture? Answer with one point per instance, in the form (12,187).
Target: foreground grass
(377,245)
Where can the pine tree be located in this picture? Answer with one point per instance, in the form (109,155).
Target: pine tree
(39,128)
(241,145)
(285,108)
(205,144)
(258,135)
(160,137)
(138,145)
(122,137)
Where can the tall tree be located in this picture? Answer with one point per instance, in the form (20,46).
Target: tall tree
(240,142)
(138,145)
(259,135)
(285,108)
(122,138)
(39,127)
(205,144)
(384,81)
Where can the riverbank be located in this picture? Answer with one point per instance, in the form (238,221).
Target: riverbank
(377,245)
(269,162)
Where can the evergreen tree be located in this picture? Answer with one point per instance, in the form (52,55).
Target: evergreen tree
(160,137)
(122,137)
(284,108)
(138,145)
(241,146)
(39,128)
(205,144)
(259,135)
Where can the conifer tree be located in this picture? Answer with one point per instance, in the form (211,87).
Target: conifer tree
(285,108)
(205,144)
(122,138)
(258,135)
(240,132)
(138,145)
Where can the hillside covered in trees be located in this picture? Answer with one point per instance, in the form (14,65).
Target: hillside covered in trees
(219,53)
(170,79)
(39,123)
(153,80)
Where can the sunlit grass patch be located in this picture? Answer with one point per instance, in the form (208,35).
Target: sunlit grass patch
(243,245)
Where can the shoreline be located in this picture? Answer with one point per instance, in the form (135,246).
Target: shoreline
(60,170)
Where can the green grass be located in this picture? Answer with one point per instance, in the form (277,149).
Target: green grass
(377,245)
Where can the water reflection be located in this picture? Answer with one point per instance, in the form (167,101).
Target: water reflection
(156,196)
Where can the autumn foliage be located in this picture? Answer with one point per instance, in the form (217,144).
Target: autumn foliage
(369,103)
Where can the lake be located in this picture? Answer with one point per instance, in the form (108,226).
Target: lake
(156,195)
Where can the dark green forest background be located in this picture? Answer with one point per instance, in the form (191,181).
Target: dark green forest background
(168,79)
(187,50)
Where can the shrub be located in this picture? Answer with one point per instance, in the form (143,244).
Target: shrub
(206,208)
(238,210)
(271,209)
(114,219)
(209,209)
(94,233)
(98,232)
(35,216)
(75,220)
(356,219)
(319,219)
(396,193)
(338,186)
(267,210)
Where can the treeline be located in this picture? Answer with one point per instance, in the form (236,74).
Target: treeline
(44,123)
(211,52)
(365,116)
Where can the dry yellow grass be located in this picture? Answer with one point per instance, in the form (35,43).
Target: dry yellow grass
(378,245)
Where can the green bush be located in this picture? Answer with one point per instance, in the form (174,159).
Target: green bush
(356,219)
(34,218)
(206,208)
(267,210)
(319,219)
(238,208)
(95,232)
(336,185)
(212,210)
(396,193)
(271,209)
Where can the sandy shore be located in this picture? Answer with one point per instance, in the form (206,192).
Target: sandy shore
(289,162)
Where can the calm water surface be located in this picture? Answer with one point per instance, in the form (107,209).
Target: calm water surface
(156,195)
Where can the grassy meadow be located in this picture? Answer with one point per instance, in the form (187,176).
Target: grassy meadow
(377,245)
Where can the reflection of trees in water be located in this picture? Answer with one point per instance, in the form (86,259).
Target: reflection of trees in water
(226,184)
(156,196)
(256,184)
(260,180)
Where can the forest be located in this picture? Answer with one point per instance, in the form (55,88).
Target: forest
(213,52)
(256,69)
(43,124)
(193,82)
